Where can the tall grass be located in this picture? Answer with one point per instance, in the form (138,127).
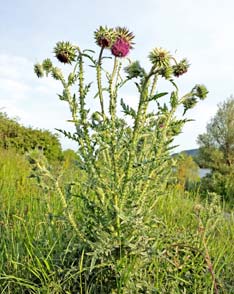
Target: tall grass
(40,253)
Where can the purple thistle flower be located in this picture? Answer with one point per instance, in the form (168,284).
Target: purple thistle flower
(120,48)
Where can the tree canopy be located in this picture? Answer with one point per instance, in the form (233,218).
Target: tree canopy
(217,144)
(15,136)
(217,151)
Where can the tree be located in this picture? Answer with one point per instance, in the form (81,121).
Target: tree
(186,172)
(217,148)
(23,139)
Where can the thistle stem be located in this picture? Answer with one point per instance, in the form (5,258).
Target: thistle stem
(113,90)
(99,82)
(154,84)
(140,114)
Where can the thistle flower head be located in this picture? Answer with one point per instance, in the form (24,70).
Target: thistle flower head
(123,42)
(120,48)
(200,91)
(124,34)
(38,69)
(180,68)
(65,52)
(105,37)
(160,57)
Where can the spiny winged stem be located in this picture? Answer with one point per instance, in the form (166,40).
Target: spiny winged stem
(113,90)
(67,212)
(76,109)
(99,82)
(142,108)
(154,85)
(82,95)
(152,91)
(112,109)
(159,153)
(83,111)
(160,148)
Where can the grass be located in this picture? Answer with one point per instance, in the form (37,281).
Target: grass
(188,249)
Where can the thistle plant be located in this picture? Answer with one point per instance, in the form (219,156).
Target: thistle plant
(124,152)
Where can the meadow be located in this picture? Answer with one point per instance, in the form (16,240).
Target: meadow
(192,250)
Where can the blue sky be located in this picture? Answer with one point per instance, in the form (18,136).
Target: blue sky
(201,30)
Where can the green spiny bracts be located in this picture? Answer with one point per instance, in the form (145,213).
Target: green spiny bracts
(38,69)
(124,34)
(57,73)
(134,70)
(72,78)
(200,91)
(105,37)
(180,68)
(47,65)
(166,72)
(160,58)
(189,103)
(65,52)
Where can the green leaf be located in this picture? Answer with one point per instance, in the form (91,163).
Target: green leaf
(103,89)
(127,109)
(173,99)
(159,95)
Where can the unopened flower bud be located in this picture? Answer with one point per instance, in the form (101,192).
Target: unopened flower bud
(104,37)
(57,73)
(65,52)
(38,69)
(200,91)
(134,70)
(47,65)
(180,68)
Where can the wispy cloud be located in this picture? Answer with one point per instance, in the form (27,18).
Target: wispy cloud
(28,98)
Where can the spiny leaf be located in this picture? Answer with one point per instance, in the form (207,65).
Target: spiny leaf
(155,97)
(127,109)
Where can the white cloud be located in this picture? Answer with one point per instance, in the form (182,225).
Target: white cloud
(28,98)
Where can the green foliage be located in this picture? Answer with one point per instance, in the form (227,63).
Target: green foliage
(113,225)
(22,139)
(41,254)
(125,165)
(186,172)
(217,151)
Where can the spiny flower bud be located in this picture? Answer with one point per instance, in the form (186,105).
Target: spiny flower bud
(166,72)
(160,57)
(38,69)
(180,68)
(72,78)
(104,37)
(189,103)
(134,70)
(200,91)
(57,73)
(65,52)
(47,65)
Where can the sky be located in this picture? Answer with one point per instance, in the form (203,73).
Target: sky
(201,30)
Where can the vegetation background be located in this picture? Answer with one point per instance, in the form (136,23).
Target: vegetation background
(57,238)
